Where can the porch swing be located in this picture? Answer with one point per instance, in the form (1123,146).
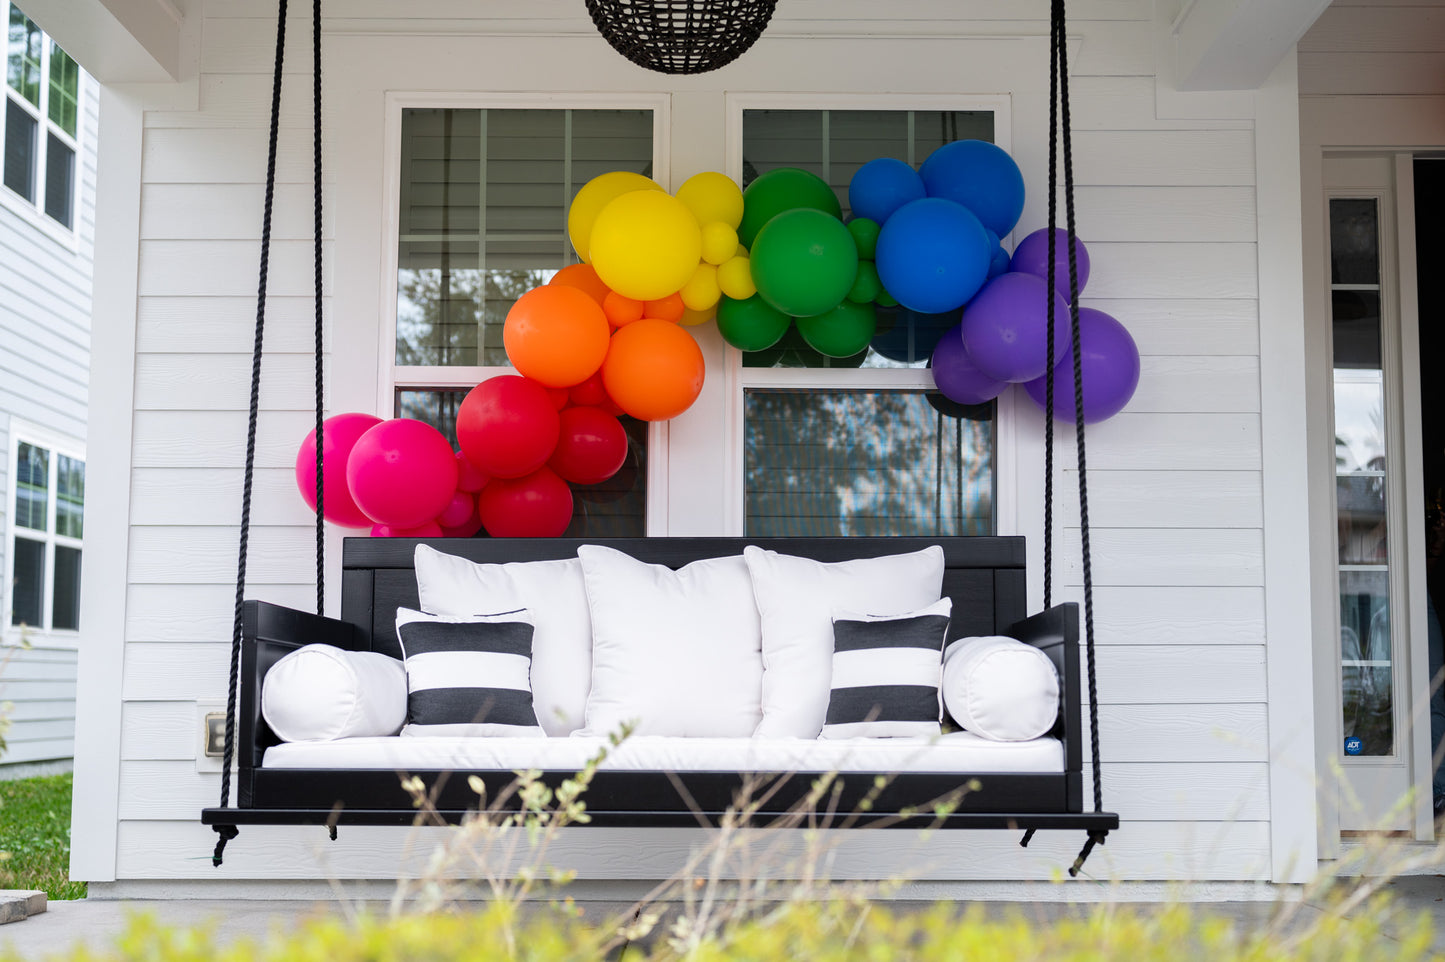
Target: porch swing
(984,576)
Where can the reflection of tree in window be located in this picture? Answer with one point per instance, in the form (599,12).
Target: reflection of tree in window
(440,312)
(864,463)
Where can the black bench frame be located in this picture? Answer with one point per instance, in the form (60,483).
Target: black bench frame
(985,577)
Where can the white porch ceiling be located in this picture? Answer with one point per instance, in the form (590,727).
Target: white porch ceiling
(1235,44)
(117,41)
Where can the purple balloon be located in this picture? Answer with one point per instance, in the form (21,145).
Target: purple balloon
(957,377)
(1110,362)
(1032,257)
(1005,327)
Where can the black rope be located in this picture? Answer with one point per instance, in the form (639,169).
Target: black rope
(316,224)
(1049,300)
(228,832)
(1061,54)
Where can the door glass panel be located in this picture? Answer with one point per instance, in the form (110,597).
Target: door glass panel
(1361,480)
(866,462)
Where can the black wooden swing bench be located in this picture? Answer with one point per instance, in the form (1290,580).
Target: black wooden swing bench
(983,575)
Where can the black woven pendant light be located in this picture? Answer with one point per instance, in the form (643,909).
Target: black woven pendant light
(681,36)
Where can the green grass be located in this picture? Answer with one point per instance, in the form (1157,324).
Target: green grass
(35,836)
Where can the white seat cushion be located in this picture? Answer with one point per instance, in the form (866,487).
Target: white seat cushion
(797,597)
(553,592)
(1000,688)
(675,652)
(324,692)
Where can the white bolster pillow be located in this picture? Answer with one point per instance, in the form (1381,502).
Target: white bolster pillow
(1000,688)
(321,692)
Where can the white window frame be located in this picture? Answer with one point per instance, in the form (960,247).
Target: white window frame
(41,636)
(34,213)
(739,379)
(393,376)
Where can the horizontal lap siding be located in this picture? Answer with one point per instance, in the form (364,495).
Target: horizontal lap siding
(1168,210)
(1380,48)
(39,685)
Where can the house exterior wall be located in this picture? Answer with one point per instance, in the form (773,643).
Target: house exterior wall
(45,303)
(1166,205)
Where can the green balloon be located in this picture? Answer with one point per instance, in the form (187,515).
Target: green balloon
(804,262)
(865,235)
(784,188)
(886,299)
(842,332)
(866,286)
(751,325)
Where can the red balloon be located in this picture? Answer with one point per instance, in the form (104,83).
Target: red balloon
(456,514)
(507,426)
(471,526)
(591,446)
(537,506)
(469,477)
(428,530)
(339,434)
(401,472)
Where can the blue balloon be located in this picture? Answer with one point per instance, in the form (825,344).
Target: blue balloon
(882,186)
(933,255)
(908,336)
(981,177)
(999,264)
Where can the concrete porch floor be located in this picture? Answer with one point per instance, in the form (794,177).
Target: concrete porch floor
(97,922)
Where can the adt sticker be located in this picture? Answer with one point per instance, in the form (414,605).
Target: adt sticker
(1353,745)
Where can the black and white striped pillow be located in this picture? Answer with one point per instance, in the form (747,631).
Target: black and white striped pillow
(886,674)
(468,674)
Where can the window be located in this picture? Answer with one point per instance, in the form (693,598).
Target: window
(860,445)
(46,533)
(42,120)
(482,219)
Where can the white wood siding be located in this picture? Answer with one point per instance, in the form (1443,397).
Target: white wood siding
(44,374)
(1374,47)
(1167,207)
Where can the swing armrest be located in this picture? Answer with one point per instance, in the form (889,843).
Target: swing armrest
(268,633)
(1055,632)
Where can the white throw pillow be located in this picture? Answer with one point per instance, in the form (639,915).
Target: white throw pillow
(555,595)
(886,674)
(676,652)
(1000,689)
(797,597)
(468,674)
(321,692)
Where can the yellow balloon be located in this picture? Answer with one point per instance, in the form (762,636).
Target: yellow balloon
(712,196)
(735,278)
(691,318)
(719,242)
(645,245)
(701,292)
(596,194)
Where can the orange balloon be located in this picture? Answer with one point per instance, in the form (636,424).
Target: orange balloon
(668,308)
(556,335)
(654,369)
(584,278)
(621,310)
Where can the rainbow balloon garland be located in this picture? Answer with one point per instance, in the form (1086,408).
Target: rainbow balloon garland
(608,336)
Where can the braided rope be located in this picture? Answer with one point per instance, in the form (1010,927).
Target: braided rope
(228,832)
(1049,371)
(316,224)
(1062,54)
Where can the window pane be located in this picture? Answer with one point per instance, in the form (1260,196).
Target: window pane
(64,89)
(1354,242)
(483,218)
(833,144)
(616,508)
(28,598)
(1365,662)
(65,611)
(20,147)
(59,180)
(69,496)
(22,60)
(32,487)
(866,463)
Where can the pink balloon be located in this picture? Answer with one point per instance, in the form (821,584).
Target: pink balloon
(456,514)
(339,434)
(471,526)
(429,530)
(402,473)
(469,476)
(536,506)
